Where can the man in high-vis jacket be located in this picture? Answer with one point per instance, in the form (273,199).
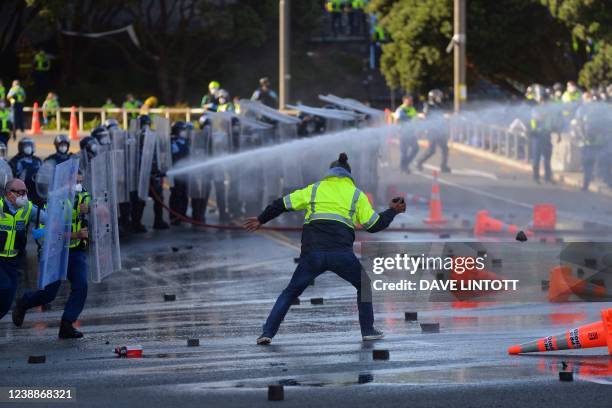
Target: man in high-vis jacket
(334,206)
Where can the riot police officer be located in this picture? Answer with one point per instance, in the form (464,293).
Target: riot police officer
(6,123)
(111,123)
(62,147)
(25,166)
(179,200)
(102,135)
(156,178)
(77,273)
(199,195)
(544,121)
(437,135)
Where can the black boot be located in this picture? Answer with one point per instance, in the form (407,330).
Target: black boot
(66,331)
(19,312)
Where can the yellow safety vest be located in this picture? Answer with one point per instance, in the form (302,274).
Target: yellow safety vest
(41,62)
(17,94)
(2,92)
(333,198)
(13,230)
(5,116)
(77,221)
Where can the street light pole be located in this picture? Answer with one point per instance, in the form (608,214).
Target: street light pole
(284,75)
(459,42)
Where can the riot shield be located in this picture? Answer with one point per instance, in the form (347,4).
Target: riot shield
(118,145)
(6,174)
(104,230)
(146,161)
(132,160)
(163,146)
(200,148)
(60,202)
(375,116)
(44,178)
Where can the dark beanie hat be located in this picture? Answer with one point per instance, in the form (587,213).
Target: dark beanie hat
(341,162)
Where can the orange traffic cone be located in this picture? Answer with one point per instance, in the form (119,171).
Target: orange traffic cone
(598,334)
(563,284)
(544,216)
(435,204)
(484,223)
(36,130)
(74,127)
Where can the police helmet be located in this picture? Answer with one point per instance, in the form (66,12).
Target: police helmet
(89,144)
(144,120)
(26,146)
(111,123)
(214,85)
(59,140)
(557,87)
(435,96)
(222,93)
(102,135)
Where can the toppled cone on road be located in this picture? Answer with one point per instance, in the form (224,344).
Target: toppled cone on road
(486,224)
(169,297)
(410,316)
(129,351)
(598,334)
(430,327)
(563,284)
(380,354)
(276,392)
(193,342)
(37,359)
(316,301)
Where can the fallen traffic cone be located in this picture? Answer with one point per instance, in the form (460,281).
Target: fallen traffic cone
(563,284)
(36,130)
(484,224)
(435,204)
(598,334)
(544,216)
(74,127)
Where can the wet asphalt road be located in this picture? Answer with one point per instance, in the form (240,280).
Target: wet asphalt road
(225,282)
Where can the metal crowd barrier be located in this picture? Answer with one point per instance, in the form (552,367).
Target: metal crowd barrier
(512,144)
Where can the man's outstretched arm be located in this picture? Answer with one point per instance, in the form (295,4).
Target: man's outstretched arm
(296,201)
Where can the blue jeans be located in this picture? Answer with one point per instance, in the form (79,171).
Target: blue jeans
(313,264)
(9,272)
(77,275)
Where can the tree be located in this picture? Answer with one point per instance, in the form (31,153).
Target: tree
(590,22)
(508,42)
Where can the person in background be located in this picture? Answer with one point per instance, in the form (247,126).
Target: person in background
(438,134)
(209,101)
(132,104)
(224,103)
(62,150)
(541,126)
(6,124)
(108,104)
(265,94)
(409,146)
(42,70)
(2,91)
(50,107)
(17,96)
(236,102)
(357,17)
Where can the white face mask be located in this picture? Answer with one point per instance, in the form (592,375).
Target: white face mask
(78,188)
(63,149)
(21,201)
(28,150)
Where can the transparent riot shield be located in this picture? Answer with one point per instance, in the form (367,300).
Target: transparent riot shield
(163,146)
(105,254)
(6,174)
(335,119)
(200,149)
(118,145)
(220,142)
(374,117)
(44,177)
(60,202)
(132,160)
(146,162)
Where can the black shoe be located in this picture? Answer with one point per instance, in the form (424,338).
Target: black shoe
(139,228)
(19,313)
(419,166)
(161,225)
(66,331)
(445,169)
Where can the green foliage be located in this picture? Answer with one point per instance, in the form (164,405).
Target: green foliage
(598,71)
